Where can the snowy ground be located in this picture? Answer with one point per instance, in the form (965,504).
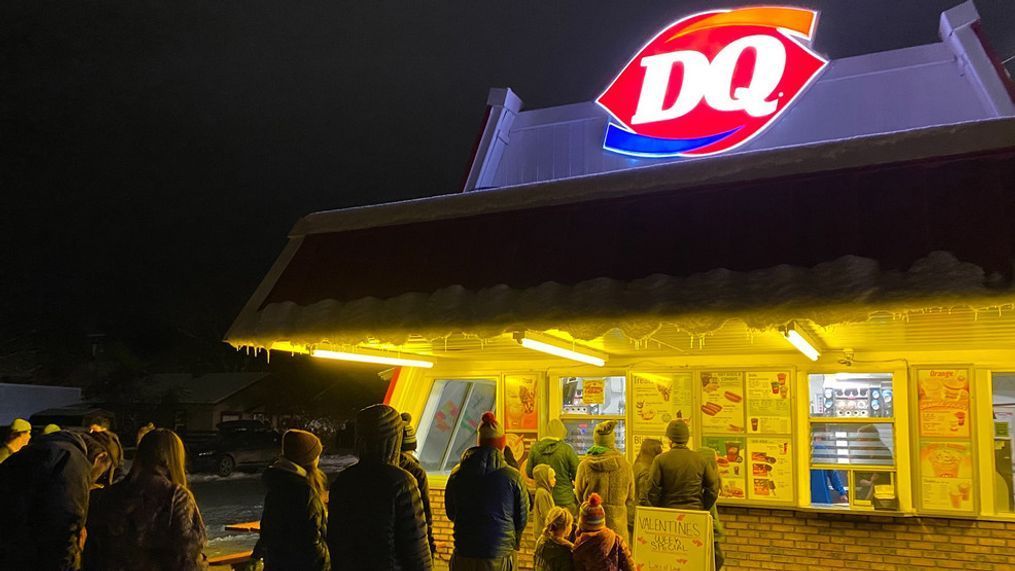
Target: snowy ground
(239,498)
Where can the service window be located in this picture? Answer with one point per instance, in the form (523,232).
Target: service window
(451,419)
(587,401)
(852,440)
(1003,400)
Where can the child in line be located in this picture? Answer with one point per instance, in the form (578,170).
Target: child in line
(545,479)
(599,548)
(553,550)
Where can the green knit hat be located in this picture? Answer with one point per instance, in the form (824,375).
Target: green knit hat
(604,435)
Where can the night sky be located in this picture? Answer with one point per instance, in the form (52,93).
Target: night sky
(153,155)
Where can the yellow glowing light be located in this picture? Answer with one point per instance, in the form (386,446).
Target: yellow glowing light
(526,340)
(801,343)
(367,358)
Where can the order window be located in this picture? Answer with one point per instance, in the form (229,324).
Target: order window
(451,420)
(852,440)
(587,401)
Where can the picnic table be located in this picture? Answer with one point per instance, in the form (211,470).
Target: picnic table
(250,526)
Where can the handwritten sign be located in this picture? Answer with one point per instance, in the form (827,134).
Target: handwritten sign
(672,540)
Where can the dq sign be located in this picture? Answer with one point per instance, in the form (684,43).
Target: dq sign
(711,82)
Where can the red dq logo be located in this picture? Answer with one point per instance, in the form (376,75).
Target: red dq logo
(711,82)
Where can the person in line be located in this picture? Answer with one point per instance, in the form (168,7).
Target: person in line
(599,548)
(141,431)
(101,423)
(606,472)
(553,550)
(19,434)
(375,512)
(44,501)
(545,481)
(408,462)
(293,523)
(681,478)
(489,504)
(553,451)
(50,429)
(149,520)
(650,448)
(110,443)
(718,531)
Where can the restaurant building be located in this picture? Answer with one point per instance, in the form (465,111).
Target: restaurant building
(823,291)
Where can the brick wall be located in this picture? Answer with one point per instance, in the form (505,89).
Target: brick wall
(445,542)
(784,539)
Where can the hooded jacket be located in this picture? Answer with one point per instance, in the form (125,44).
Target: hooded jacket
(145,522)
(293,524)
(409,463)
(544,496)
(375,513)
(558,455)
(682,479)
(609,475)
(488,503)
(44,503)
(602,550)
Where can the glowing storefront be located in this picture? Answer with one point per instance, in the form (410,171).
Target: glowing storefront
(829,303)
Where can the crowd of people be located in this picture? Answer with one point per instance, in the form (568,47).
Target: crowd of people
(68,504)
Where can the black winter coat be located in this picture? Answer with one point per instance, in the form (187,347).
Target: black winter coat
(376,520)
(489,504)
(44,503)
(409,463)
(294,527)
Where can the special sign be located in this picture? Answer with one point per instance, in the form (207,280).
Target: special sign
(672,540)
(711,82)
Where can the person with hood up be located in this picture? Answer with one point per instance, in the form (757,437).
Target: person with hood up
(19,434)
(44,501)
(553,550)
(650,448)
(149,519)
(294,526)
(375,512)
(606,472)
(599,548)
(488,503)
(681,478)
(410,464)
(559,455)
(545,481)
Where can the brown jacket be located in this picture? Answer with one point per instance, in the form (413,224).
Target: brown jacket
(602,550)
(609,475)
(682,479)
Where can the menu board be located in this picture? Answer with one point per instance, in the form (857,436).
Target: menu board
(768,404)
(943,396)
(593,391)
(946,476)
(658,399)
(733,469)
(520,403)
(770,469)
(722,396)
(673,540)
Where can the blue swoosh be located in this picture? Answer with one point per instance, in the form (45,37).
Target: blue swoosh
(622,141)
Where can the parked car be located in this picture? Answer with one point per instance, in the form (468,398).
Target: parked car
(238,444)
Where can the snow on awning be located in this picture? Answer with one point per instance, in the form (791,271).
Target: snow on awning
(828,232)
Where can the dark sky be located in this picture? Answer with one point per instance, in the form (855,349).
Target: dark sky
(153,155)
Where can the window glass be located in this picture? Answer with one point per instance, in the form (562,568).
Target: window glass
(451,419)
(594,395)
(853,443)
(579,434)
(1003,400)
(852,395)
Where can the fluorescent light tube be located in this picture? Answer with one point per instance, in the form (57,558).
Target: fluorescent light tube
(801,343)
(529,343)
(367,358)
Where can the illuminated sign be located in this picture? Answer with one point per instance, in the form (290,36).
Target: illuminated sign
(711,82)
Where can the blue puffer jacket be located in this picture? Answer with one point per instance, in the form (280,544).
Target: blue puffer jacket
(488,502)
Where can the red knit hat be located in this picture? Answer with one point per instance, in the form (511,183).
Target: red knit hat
(593,515)
(491,433)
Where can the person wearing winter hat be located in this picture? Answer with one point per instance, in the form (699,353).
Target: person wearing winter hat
(488,503)
(597,547)
(606,472)
(410,464)
(18,435)
(553,451)
(50,429)
(294,524)
(375,511)
(681,478)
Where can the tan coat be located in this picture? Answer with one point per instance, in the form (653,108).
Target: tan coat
(609,475)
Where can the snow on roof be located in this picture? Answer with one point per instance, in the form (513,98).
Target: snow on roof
(211,388)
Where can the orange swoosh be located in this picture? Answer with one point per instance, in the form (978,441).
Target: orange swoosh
(795,19)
